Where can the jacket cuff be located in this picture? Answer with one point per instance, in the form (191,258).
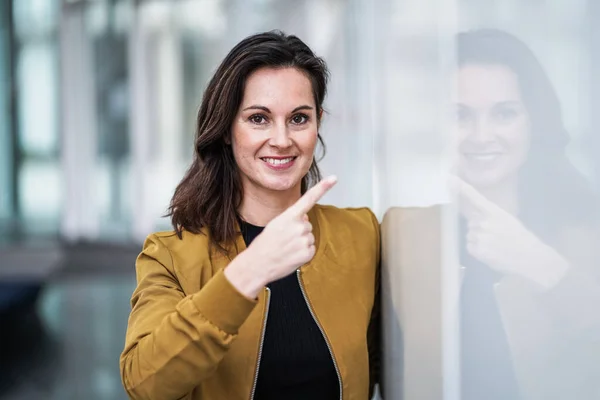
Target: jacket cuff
(222,304)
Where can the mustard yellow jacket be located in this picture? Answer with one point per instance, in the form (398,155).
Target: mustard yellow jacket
(192,335)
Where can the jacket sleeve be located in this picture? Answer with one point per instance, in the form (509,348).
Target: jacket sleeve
(374,331)
(174,340)
(573,300)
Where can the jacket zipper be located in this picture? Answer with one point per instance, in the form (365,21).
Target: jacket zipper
(337,371)
(260,347)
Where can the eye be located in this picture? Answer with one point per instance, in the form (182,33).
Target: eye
(463,115)
(300,119)
(258,119)
(505,114)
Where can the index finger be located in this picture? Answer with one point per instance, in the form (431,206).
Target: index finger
(472,202)
(312,196)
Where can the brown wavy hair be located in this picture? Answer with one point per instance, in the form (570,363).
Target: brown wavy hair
(210,192)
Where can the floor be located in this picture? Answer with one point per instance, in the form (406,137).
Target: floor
(68,345)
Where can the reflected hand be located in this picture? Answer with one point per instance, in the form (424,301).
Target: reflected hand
(499,240)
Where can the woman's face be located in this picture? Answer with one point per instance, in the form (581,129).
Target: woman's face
(494,127)
(275,131)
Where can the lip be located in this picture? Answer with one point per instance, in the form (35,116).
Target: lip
(482,157)
(281,166)
(482,154)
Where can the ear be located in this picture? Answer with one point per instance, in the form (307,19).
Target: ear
(227,139)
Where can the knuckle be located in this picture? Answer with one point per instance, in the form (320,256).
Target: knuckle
(306,241)
(307,228)
(300,228)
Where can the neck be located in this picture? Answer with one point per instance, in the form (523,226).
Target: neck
(260,206)
(504,194)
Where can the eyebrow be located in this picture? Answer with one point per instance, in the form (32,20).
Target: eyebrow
(265,109)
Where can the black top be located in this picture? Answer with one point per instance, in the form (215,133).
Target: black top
(487,369)
(295,362)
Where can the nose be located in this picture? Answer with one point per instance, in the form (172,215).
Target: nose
(280,136)
(481,130)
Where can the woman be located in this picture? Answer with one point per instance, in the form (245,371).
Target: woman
(259,292)
(529,225)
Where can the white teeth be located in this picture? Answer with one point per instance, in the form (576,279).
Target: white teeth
(483,157)
(274,161)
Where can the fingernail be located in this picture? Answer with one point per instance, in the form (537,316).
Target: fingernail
(332,179)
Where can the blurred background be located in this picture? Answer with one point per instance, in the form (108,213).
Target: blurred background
(97,111)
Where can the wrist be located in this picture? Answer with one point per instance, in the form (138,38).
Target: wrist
(550,271)
(246,275)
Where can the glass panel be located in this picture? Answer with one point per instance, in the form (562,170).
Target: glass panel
(6,156)
(414,42)
(526,148)
(108,30)
(40,195)
(37,100)
(523,239)
(35,18)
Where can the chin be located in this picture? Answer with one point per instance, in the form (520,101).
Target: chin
(279,184)
(484,179)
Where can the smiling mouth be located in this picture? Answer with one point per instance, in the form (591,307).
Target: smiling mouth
(489,156)
(278,161)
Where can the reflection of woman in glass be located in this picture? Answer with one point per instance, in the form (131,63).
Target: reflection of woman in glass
(529,328)
(259,292)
